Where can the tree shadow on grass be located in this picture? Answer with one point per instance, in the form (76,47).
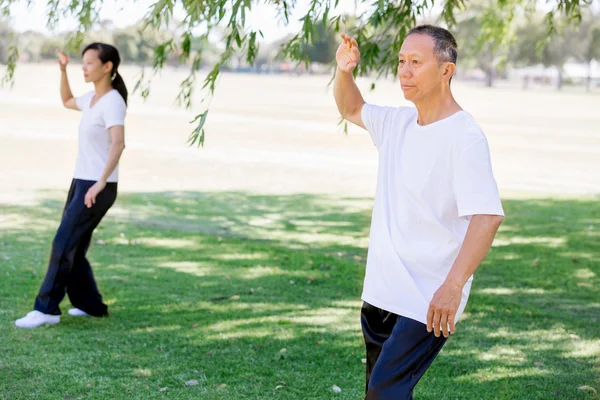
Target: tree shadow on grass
(213,287)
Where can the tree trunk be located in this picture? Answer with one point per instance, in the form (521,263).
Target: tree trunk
(489,77)
(588,83)
(559,83)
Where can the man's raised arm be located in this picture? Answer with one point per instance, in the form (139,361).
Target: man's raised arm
(347,96)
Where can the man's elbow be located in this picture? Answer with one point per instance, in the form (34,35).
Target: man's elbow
(345,111)
(349,115)
(352,113)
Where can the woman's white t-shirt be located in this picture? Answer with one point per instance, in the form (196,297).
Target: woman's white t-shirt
(94,135)
(431,180)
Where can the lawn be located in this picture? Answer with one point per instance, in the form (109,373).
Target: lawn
(239,296)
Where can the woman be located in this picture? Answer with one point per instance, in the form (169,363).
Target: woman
(93,189)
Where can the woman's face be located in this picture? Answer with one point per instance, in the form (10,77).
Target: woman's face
(93,68)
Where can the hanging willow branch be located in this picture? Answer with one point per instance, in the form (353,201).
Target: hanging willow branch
(379,31)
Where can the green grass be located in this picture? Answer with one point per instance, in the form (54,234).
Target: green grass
(172,265)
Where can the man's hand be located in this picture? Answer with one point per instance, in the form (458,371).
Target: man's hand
(443,308)
(347,55)
(90,196)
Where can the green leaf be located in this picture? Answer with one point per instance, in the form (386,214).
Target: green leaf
(11,64)
(197,136)
(186,45)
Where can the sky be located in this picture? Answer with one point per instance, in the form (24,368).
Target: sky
(128,12)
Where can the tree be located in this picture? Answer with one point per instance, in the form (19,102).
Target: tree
(588,41)
(380,30)
(137,44)
(479,44)
(5,33)
(535,46)
(9,52)
(324,47)
(592,52)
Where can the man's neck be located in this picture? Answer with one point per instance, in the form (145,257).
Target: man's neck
(436,108)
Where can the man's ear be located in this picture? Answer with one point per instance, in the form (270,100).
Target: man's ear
(448,70)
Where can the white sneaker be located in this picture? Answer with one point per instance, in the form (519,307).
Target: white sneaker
(76,312)
(36,318)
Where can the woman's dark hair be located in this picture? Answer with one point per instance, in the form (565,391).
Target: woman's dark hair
(106,53)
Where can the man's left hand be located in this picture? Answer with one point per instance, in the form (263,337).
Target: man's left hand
(90,196)
(443,308)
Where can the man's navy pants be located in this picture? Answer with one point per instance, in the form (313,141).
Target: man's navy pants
(399,351)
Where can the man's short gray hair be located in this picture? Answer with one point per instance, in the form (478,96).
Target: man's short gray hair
(445,47)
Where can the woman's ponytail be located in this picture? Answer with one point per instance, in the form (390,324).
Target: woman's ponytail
(119,85)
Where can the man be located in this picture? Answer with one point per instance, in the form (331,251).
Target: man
(436,211)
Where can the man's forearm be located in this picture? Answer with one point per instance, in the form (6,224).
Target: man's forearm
(114,154)
(478,240)
(346,93)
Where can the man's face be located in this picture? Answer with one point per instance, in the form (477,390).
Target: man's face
(419,70)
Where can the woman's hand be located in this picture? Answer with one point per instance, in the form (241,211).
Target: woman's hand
(90,196)
(63,60)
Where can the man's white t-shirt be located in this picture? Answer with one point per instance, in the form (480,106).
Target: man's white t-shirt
(94,135)
(431,180)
